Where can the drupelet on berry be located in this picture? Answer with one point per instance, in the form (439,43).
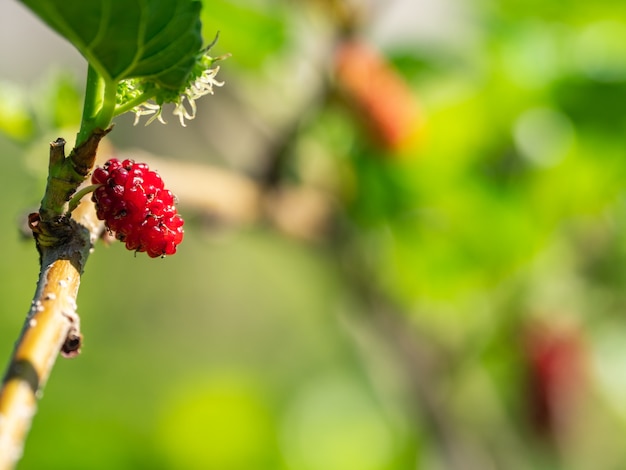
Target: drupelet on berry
(135,205)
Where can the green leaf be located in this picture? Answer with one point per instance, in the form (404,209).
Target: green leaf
(156,39)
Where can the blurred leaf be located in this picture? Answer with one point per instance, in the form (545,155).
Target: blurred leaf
(224,424)
(384,191)
(252,34)
(594,105)
(599,53)
(66,101)
(334,425)
(16,119)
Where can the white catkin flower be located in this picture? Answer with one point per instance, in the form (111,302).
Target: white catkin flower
(202,86)
(147,109)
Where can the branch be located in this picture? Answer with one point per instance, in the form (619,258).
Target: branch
(51,326)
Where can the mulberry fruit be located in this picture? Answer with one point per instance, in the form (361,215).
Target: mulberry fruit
(134,204)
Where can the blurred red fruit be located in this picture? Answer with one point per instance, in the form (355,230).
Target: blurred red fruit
(555,360)
(378,94)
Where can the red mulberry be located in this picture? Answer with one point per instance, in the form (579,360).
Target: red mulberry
(134,204)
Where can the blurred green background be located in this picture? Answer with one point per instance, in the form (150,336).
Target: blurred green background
(458,302)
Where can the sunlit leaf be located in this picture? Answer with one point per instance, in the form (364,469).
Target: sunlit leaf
(129,38)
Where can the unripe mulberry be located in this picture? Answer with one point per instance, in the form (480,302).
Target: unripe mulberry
(135,205)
